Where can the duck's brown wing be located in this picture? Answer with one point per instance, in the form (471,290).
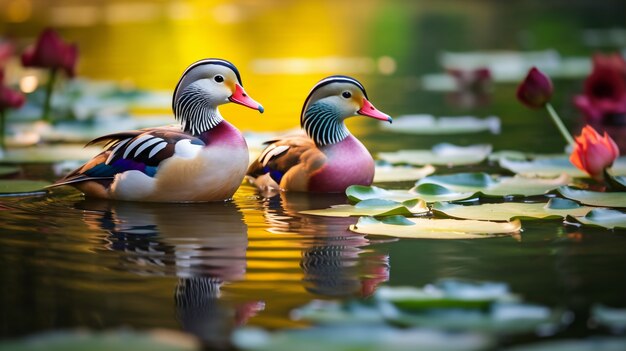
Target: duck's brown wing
(289,162)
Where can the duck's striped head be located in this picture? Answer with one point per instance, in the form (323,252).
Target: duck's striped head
(330,102)
(203,86)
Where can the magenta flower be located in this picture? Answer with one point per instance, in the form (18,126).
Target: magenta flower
(604,92)
(536,90)
(471,79)
(51,52)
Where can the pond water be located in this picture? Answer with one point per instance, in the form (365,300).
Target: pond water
(69,262)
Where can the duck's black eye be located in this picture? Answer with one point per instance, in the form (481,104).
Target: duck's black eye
(346,94)
(219,78)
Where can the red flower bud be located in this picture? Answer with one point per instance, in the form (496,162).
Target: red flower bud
(51,52)
(10,98)
(536,90)
(593,153)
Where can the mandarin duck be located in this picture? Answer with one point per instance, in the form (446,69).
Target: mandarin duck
(202,159)
(328,158)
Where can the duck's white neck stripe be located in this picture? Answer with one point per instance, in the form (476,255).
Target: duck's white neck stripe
(194,112)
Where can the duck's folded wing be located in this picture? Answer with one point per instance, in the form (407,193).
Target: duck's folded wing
(140,150)
(283,154)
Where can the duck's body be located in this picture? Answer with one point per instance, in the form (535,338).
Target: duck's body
(205,159)
(328,158)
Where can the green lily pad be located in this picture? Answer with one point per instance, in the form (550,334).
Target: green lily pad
(603,217)
(373,207)
(429,125)
(594,198)
(358,193)
(433,192)
(492,187)
(440,154)
(8,170)
(608,316)
(358,337)
(555,208)
(554,165)
(157,340)
(50,153)
(401,173)
(20,187)
(421,228)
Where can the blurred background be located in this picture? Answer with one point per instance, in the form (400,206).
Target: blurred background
(399,49)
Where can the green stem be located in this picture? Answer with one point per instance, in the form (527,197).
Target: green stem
(46,105)
(555,117)
(2,131)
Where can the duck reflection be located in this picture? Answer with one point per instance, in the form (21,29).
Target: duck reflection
(335,261)
(202,244)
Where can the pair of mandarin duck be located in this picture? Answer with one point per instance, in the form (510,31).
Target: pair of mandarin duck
(205,158)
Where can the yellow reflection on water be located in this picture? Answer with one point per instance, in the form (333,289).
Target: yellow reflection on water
(282,48)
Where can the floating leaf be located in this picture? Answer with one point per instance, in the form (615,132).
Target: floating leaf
(20,187)
(50,153)
(551,166)
(421,228)
(441,154)
(401,173)
(358,337)
(612,317)
(603,217)
(429,125)
(8,170)
(594,198)
(492,187)
(555,208)
(157,340)
(358,193)
(433,193)
(373,207)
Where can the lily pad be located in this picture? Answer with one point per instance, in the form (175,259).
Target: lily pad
(594,198)
(614,318)
(157,340)
(358,337)
(358,193)
(433,192)
(50,153)
(401,173)
(603,217)
(430,125)
(8,170)
(20,187)
(492,187)
(373,207)
(421,228)
(440,154)
(550,166)
(555,208)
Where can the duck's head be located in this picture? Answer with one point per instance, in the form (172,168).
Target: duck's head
(330,102)
(204,86)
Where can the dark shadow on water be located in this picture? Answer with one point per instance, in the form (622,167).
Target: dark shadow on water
(204,245)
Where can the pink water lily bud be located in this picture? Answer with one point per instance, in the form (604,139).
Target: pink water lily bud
(536,90)
(593,153)
(52,52)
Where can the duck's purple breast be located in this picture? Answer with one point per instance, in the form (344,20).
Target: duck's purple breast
(224,134)
(348,163)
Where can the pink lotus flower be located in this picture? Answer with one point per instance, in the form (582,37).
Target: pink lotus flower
(471,79)
(51,52)
(594,153)
(604,94)
(536,89)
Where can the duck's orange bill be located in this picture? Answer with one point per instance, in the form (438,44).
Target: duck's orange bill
(240,97)
(367,109)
